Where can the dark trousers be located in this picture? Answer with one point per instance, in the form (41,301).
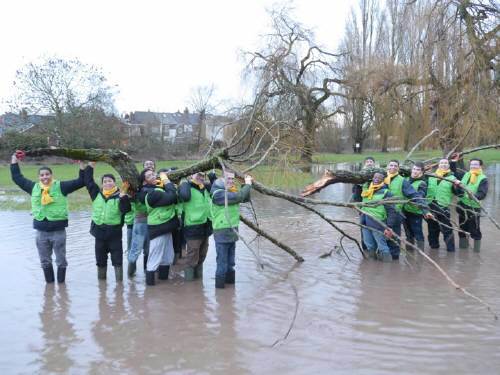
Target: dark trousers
(413,227)
(112,246)
(394,243)
(468,219)
(443,225)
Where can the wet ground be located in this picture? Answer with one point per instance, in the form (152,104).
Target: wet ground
(327,315)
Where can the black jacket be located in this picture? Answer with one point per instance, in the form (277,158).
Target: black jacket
(157,198)
(67,187)
(105,232)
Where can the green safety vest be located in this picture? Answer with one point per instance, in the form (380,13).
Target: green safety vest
(379,211)
(159,215)
(106,212)
(197,209)
(219,217)
(410,206)
(396,188)
(442,193)
(129,216)
(140,208)
(472,187)
(55,211)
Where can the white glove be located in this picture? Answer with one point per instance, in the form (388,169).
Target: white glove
(248,180)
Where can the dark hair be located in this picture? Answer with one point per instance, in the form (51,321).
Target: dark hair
(394,160)
(419,164)
(44,168)
(369,158)
(142,176)
(108,175)
(477,159)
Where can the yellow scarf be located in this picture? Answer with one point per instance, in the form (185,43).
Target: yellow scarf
(233,189)
(441,172)
(371,189)
(474,173)
(46,198)
(159,183)
(110,192)
(389,177)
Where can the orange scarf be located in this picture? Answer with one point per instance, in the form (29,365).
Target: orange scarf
(233,189)
(46,198)
(110,192)
(159,183)
(389,178)
(368,193)
(474,173)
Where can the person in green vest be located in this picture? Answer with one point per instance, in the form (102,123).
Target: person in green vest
(194,195)
(440,191)
(225,214)
(413,214)
(109,205)
(377,220)
(49,208)
(160,200)
(468,209)
(401,189)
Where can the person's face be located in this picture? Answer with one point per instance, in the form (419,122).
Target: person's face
(378,178)
(369,163)
(229,182)
(45,176)
(150,177)
(444,164)
(108,183)
(416,172)
(149,164)
(199,178)
(393,167)
(474,164)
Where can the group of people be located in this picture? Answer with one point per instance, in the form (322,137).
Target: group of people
(415,198)
(162,219)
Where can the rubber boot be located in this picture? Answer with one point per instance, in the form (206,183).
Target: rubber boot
(101,273)
(145,261)
(150,277)
(477,246)
(385,257)
(119,273)
(408,247)
(198,271)
(189,274)
(163,272)
(463,242)
(220,282)
(132,266)
(372,254)
(48,272)
(421,245)
(230,277)
(61,274)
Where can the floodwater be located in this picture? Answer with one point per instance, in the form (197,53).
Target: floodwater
(326,315)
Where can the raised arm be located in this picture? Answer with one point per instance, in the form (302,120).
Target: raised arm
(88,178)
(67,187)
(18,178)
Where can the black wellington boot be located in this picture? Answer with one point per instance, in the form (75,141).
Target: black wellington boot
(132,266)
(163,272)
(150,277)
(220,282)
(230,277)
(48,272)
(61,274)
(145,261)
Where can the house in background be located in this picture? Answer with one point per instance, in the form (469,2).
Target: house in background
(20,123)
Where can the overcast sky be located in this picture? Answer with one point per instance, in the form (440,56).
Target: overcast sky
(155,51)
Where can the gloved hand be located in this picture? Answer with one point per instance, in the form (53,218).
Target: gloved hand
(248,179)
(20,155)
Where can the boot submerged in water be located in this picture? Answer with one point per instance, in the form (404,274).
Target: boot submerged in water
(189,274)
(230,277)
(101,273)
(131,268)
(150,277)
(48,272)
(463,242)
(119,273)
(163,272)
(477,246)
(61,274)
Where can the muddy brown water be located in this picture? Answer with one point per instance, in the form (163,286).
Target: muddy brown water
(327,315)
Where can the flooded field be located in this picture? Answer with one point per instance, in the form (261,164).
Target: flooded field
(327,315)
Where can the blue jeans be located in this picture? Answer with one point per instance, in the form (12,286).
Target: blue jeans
(225,257)
(129,236)
(413,227)
(375,240)
(394,243)
(140,241)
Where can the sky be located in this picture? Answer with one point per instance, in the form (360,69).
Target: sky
(156,51)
